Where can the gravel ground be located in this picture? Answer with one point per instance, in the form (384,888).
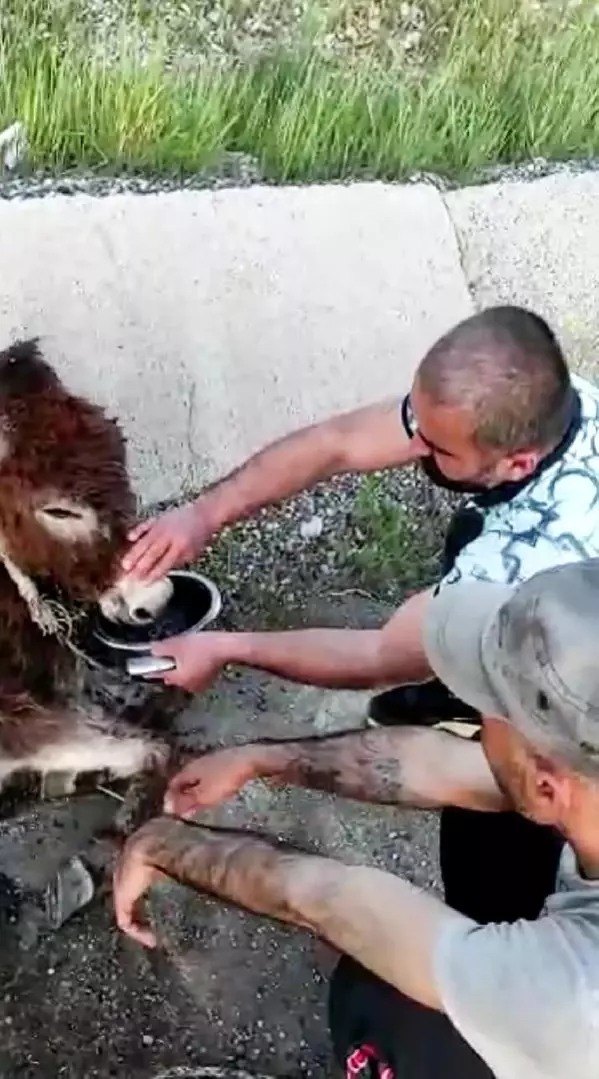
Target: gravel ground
(378,538)
(240,170)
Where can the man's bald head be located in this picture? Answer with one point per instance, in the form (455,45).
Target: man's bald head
(506,368)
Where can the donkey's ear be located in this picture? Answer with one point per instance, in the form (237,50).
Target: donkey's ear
(67,520)
(24,370)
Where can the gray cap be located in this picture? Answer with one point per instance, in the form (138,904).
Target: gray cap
(528,653)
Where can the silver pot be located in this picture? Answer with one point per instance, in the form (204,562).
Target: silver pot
(195,604)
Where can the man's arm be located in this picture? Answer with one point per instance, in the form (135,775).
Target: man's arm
(360,441)
(336,658)
(410,766)
(385,923)
(363,440)
(406,766)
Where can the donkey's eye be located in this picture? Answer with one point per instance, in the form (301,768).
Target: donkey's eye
(61,514)
(68,521)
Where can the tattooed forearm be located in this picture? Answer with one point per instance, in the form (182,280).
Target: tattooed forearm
(239,867)
(387,767)
(385,923)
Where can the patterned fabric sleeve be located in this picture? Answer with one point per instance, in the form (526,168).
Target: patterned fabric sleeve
(555,521)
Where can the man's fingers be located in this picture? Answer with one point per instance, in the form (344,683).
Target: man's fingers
(147,563)
(175,671)
(180,784)
(128,889)
(168,678)
(181,803)
(166,649)
(137,930)
(182,794)
(140,529)
(183,797)
(142,545)
(163,562)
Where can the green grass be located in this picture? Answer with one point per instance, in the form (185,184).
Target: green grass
(394,543)
(490,82)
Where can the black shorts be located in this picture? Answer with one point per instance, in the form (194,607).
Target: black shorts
(378,1033)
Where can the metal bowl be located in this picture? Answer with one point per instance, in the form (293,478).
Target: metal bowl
(195,603)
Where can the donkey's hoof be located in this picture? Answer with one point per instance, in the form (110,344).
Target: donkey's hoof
(58,785)
(143,800)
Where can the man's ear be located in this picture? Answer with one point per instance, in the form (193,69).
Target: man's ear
(549,791)
(518,466)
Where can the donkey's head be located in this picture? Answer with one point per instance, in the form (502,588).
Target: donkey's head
(65,499)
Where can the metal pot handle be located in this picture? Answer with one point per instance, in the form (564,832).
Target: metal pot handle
(145,666)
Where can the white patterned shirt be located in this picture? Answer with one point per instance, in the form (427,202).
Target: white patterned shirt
(550,520)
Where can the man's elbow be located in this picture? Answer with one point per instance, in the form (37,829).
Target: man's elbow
(337,445)
(367,438)
(311,890)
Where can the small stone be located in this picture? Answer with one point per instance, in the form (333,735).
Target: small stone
(147,1039)
(13,145)
(312,528)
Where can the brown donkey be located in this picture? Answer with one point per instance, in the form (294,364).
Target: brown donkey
(66,505)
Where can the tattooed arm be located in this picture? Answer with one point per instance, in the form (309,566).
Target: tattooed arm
(388,925)
(409,766)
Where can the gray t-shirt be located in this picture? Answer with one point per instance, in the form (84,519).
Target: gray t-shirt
(526,996)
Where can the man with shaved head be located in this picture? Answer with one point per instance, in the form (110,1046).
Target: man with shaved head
(494,414)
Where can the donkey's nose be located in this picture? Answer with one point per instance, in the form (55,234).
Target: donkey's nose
(134,602)
(141,614)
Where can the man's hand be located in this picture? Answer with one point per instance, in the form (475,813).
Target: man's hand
(134,875)
(211,779)
(176,537)
(200,658)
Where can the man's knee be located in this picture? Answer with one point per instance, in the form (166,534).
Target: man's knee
(423,704)
(415,1042)
(354,1003)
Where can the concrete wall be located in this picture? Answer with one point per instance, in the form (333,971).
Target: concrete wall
(211,322)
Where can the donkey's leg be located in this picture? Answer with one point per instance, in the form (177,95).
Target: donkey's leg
(59,746)
(57,785)
(144,799)
(143,760)
(91,743)
(94,747)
